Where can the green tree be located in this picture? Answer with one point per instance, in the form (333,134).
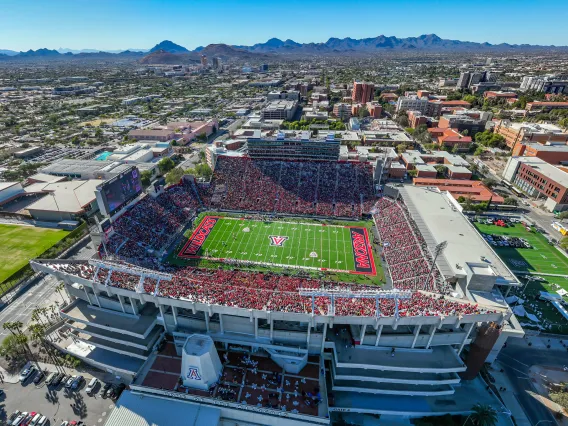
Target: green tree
(201,171)
(174,176)
(564,243)
(483,415)
(400,148)
(11,346)
(59,289)
(146,178)
(166,164)
(511,201)
(440,171)
(489,183)
(363,112)
(490,139)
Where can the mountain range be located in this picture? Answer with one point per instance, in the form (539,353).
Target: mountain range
(275,46)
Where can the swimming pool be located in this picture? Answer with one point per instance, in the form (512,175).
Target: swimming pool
(103,156)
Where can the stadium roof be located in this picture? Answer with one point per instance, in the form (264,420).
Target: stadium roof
(434,210)
(74,166)
(70,197)
(146,410)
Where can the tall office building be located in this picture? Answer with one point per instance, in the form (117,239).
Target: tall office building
(362,92)
(215,62)
(204,60)
(463,81)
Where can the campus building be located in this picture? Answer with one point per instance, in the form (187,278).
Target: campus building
(293,146)
(540,180)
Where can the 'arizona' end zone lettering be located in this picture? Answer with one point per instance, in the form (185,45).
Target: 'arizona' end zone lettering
(362,255)
(198,237)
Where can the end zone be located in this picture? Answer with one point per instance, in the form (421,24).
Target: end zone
(191,249)
(362,252)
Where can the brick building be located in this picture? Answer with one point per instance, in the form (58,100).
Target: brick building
(362,92)
(540,180)
(472,189)
(553,154)
(515,133)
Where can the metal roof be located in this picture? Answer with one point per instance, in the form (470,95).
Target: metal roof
(134,409)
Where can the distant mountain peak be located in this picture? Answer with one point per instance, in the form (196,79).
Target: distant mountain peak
(169,46)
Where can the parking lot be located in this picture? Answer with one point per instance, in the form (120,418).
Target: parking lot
(57,403)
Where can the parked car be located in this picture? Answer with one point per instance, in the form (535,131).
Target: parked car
(50,378)
(118,390)
(43,421)
(27,373)
(110,392)
(13,416)
(92,385)
(35,419)
(57,379)
(19,419)
(70,381)
(77,382)
(104,389)
(64,423)
(39,376)
(2,393)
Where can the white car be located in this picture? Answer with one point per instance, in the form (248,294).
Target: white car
(27,373)
(92,385)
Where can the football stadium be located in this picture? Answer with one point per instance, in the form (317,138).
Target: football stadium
(220,295)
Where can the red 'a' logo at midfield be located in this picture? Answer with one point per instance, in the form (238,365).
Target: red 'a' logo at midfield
(277,240)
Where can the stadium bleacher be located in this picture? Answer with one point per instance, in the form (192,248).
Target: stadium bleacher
(341,189)
(255,290)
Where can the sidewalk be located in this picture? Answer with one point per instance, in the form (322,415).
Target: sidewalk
(541,342)
(509,398)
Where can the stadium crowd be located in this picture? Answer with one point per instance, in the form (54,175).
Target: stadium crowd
(341,189)
(404,250)
(151,223)
(267,291)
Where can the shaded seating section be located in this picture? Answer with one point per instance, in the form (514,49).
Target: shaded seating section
(404,250)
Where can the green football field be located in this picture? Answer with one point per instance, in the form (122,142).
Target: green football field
(19,244)
(542,257)
(282,244)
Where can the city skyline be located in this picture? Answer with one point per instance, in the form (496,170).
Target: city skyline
(140,25)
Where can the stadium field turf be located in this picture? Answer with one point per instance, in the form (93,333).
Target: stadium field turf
(19,244)
(312,246)
(542,257)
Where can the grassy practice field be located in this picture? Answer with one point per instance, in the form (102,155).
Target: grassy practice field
(311,246)
(19,244)
(542,257)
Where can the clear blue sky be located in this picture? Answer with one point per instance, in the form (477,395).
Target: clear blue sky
(121,24)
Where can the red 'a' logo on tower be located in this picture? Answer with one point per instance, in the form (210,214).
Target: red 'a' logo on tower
(277,240)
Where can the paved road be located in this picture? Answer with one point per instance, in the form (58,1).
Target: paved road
(39,292)
(516,360)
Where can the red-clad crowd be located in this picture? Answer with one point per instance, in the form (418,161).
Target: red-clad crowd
(272,292)
(343,189)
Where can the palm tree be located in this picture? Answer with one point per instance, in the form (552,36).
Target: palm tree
(36,316)
(59,288)
(482,415)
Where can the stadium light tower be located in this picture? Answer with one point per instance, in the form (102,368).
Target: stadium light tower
(437,251)
(346,293)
